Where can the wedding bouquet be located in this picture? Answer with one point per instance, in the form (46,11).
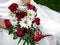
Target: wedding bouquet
(23,23)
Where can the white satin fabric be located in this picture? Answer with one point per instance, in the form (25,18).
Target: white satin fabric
(50,24)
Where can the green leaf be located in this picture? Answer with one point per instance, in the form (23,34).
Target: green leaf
(18,24)
(24,43)
(15,35)
(53,4)
(19,41)
(31,40)
(28,41)
(11,30)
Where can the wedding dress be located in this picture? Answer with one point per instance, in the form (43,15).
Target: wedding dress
(50,24)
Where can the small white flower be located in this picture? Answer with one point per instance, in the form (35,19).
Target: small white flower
(31,14)
(13,20)
(12,14)
(35,25)
(22,8)
(25,23)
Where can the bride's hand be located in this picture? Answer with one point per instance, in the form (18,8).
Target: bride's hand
(25,1)
(2,24)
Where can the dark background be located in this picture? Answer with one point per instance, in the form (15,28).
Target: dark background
(53,4)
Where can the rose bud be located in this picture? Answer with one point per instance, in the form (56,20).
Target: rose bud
(37,37)
(31,7)
(18,16)
(21,15)
(20,32)
(13,7)
(37,21)
(7,23)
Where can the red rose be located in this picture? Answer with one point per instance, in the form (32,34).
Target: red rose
(20,32)
(21,15)
(23,29)
(37,37)
(18,16)
(13,7)
(31,7)
(37,21)
(7,23)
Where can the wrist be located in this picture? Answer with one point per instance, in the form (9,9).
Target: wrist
(2,24)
